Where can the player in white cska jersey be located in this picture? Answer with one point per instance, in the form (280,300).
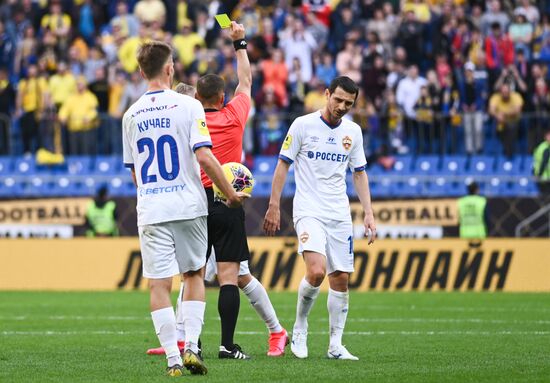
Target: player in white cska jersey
(165,139)
(322,146)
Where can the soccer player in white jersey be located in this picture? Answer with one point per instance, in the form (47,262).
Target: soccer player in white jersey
(165,138)
(322,145)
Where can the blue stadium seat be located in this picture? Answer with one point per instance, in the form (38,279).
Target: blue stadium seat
(455,189)
(88,186)
(262,189)
(454,165)
(493,187)
(427,165)
(128,189)
(375,169)
(527,165)
(509,167)
(5,165)
(78,165)
(406,189)
(264,166)
(435,188)
(117,186)
(481,165)
(24,165)
(380,187)
(65,187)
(107,165)
(403,164)
(524,186)
(10,188)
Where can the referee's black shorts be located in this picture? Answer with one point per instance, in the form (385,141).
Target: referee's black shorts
(226,231)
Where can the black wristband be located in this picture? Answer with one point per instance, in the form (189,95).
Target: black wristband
(239,44)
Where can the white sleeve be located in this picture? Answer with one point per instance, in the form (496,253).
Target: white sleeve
(357,159)
(199,135)
(292,143)
(127,155)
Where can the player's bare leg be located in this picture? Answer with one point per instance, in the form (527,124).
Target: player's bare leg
(164,321)
(307,294)
(257,295)
(337,305)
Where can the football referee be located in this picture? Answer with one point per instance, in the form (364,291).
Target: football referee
(226,229)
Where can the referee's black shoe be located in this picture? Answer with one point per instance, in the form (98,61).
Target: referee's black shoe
(235,353)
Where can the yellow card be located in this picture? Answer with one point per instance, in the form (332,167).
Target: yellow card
(223,20)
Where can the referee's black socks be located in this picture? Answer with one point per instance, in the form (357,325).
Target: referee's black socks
(229,303)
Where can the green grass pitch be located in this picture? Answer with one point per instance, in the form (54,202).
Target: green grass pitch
(399,337)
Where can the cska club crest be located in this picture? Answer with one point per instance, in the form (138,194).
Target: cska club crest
(346,142)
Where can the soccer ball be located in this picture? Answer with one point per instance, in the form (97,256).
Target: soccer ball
(238,176)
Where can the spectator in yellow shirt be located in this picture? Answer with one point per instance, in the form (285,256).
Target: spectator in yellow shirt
(185,43)
(505,107)
(420,9)
(117,85)
(79,114)
(315,98)
(62,84)
(127,52)
(57,22)
(28,107)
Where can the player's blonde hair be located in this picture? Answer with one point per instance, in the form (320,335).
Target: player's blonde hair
(186,89)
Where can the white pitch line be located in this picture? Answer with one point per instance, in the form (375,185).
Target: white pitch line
(255,318)
(357,333)
(457,308)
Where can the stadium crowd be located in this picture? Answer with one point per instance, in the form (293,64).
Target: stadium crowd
(436,77)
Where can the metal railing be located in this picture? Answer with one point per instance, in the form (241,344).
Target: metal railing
(532,219)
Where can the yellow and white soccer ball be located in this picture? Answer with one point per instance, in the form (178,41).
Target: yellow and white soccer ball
(238,176)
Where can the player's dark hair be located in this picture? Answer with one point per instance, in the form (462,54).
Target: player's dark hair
(102,191)
(152,57)
(346,83)
(209,87)
(473,188)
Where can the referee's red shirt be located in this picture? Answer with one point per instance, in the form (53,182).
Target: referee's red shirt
(226,127)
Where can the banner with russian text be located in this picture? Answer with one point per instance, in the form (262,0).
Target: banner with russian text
(388,265)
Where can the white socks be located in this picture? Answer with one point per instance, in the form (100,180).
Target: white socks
(180,330)
(260,301)
(164,321)
(337,304)
(193,319)
(306,298)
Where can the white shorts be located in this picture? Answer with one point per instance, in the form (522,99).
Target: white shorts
(333,239)
(212,268)
(171,248)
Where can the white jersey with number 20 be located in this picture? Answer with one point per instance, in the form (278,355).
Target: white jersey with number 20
(321,154)
(161,131)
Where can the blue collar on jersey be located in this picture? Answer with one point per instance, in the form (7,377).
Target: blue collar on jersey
(329,124)
(156,91)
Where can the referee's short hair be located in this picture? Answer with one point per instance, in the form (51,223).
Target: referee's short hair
(209,87)
(346,83)
(152,56)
